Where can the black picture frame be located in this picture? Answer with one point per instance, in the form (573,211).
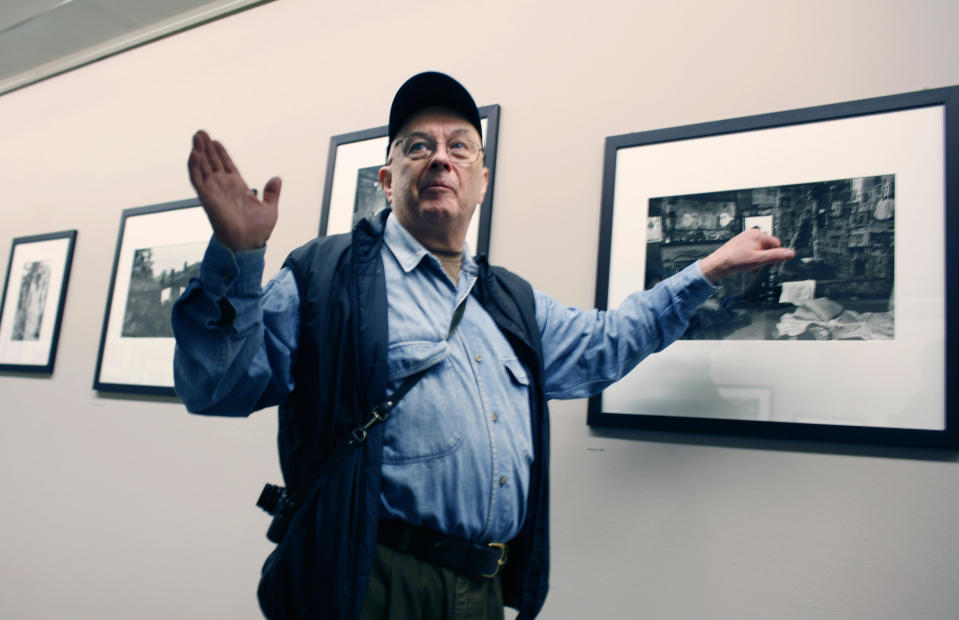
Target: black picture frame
(899,390)
(363,152)
(31,309)
(159,248)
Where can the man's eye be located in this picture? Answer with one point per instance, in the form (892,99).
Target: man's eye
(418,146)
(456,145)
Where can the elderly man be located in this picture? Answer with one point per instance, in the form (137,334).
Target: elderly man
(411,378)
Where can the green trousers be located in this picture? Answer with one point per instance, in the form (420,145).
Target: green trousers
(403,587)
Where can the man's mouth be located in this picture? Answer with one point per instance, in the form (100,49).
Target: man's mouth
(435,186)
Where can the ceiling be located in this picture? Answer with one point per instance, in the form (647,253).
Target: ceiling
(42,38)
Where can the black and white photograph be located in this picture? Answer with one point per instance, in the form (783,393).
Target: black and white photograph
(353,191)
(34,286)
(370,197)
(158,277)
(859,191)
(838,287)
(32,304)
(159,250)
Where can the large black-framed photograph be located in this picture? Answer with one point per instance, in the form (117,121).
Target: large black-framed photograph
(34,294)
(850,340)
(159,249)
(353,192)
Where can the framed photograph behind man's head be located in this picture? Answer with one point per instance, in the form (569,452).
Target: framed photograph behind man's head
(353,190)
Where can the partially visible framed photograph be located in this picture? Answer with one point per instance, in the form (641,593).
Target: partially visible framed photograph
(159,249)
(34,294)
(353,190)
(849,341)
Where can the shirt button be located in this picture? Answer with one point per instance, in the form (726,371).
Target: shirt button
(479,358)
(495,417)
(502,480)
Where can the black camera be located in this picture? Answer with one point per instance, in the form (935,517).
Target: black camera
(274,500)
(270,498)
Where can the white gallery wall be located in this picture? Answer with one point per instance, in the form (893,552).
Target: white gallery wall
(127,507)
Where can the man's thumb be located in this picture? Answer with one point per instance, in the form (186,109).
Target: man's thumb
(271,192)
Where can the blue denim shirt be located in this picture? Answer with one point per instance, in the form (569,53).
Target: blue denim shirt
(457,448)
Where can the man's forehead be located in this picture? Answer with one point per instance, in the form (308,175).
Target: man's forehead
(450,120)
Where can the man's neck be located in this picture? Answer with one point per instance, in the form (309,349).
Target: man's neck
(446,241)
(441,245)
(451,262)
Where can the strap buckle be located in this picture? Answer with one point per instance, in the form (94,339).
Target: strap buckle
(501,561)
(378,415)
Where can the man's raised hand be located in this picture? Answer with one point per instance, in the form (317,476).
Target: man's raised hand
(748,251)
(239,219)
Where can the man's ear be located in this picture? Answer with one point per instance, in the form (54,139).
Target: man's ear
(485,185)
(386,182)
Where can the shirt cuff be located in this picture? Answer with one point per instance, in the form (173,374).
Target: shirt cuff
(694,288)
(225,271)
(712,284)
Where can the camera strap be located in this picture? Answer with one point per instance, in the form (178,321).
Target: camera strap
(283,504)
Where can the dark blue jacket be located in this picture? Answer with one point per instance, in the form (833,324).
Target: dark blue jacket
(322,566)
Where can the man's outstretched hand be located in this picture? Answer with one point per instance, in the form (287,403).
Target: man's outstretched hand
(239,219)
(748,251)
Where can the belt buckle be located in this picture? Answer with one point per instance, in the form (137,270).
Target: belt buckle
(500,562)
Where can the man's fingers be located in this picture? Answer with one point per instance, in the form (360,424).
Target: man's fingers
(198,157)
(209,151)
(195,168)
(776,255)
(223,157)
(769,241)
(199,167)
(271,191)
(785,254)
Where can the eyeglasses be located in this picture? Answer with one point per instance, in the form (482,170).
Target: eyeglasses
(419,146)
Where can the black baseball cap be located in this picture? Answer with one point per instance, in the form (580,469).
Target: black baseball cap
(427,90)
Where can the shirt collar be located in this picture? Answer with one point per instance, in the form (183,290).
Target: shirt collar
(409,252)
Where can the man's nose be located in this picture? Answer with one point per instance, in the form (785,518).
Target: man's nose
(441,158)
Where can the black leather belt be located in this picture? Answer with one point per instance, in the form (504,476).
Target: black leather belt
(473,559)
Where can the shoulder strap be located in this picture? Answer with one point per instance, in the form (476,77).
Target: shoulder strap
(382,411)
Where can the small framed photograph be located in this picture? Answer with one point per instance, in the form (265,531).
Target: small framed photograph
(353,190)
(846,342)
(34,294)
(654,229)
(159,249)
(762,222)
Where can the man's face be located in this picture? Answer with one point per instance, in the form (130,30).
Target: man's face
(434,198)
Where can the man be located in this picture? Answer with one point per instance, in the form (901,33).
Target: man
(440,510)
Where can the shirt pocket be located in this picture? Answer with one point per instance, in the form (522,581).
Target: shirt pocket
(515,371)
(406,358)
(422,427)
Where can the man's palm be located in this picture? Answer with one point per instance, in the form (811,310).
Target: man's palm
(239,219)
